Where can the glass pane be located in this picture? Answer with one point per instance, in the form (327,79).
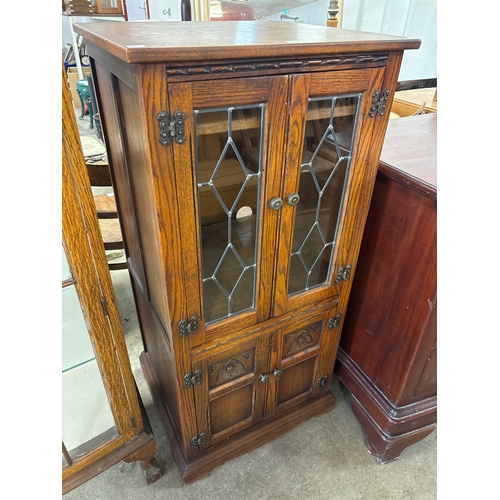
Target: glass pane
(86,414)
(228,167)
(326,157)
(107,4)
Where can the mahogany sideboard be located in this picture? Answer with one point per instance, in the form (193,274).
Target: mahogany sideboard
(241,216)
(387,357)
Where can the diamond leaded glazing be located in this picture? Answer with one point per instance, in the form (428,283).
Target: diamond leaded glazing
(326,156)
(228,167)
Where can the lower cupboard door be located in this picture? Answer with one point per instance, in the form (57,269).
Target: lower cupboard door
(302,362)
(231,395)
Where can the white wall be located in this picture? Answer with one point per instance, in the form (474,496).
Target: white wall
(158,7)
(411,18)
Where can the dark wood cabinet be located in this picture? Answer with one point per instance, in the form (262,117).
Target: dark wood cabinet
(242,216)
(388,352)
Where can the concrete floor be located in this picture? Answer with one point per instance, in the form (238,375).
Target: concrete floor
(323,458)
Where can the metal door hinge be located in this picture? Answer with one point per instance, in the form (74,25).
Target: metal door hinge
(334,322)
(379,103)
(191,379)
(322,382)
(173,127)
(343,274)
(186,327)
(198,440)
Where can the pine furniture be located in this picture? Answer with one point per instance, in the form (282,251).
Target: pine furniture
(241,215)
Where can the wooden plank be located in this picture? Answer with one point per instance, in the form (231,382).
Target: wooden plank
(225,40)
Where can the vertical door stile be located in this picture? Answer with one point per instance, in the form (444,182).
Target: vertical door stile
(201,397)
(180,100)
(180,97)
(274,172)
(358,192)
(297,102)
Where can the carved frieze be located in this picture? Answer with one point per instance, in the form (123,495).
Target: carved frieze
(259,66)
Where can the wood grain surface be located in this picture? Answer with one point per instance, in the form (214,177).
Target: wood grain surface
(145,42)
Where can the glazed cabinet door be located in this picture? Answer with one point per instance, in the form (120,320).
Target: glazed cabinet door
(227,172)
(302,358)
(231,394)
(325,162)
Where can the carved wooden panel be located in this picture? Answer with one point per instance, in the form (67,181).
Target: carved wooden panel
(231,368)
(301,339)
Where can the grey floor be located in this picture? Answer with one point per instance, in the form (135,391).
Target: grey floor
(323,458)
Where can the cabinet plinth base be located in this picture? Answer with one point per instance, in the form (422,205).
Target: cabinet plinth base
(382,447)
(388,429)
(244,442)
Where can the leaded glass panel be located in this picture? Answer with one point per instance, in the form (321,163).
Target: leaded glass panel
(228,169)
(326,157)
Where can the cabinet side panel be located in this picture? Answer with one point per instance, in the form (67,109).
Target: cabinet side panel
(394,290)
(110,116)
(141,184)
(427,384)
(162,359)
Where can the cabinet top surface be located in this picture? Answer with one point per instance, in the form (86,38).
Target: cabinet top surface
(410,150)
(177,41)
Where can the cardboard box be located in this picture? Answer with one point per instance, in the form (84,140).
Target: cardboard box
(73,78)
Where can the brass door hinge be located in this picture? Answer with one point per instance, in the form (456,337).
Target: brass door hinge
(379,103)
(322,382)
(171,127)
(343,274)
(334,322)
(191,379)
(186,327)
(198,440)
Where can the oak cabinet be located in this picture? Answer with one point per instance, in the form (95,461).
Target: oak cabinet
(241,213)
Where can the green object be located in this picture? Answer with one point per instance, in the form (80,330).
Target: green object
(82,89)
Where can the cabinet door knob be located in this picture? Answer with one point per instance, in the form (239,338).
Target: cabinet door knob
(293,199)
(276,203)
(264,377)
(277,372)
